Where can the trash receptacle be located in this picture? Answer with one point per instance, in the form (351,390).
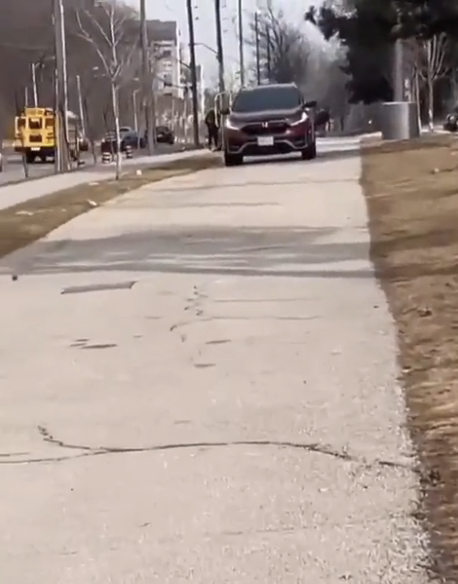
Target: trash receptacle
(400,120)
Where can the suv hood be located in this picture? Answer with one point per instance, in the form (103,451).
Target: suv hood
(266,115)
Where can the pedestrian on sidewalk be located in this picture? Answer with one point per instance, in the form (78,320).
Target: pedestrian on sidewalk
(212,128)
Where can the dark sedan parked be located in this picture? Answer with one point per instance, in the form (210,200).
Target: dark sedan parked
(130,138)
(164,135)
(451,122)
(133,140)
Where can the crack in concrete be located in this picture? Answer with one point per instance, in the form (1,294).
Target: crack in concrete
(180,325)
(311,447)
(259,300)
(285,530)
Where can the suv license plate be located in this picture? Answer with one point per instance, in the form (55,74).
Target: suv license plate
(265,141)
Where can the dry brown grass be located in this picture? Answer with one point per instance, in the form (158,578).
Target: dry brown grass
(412,195)
(25,223)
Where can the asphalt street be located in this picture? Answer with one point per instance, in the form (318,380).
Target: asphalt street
(199,384)
(14,171)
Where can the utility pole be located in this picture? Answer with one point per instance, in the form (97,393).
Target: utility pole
(258,55)
(193,72)
(241,47)
(146,79)
(219,45)
(61,82)
(57,124)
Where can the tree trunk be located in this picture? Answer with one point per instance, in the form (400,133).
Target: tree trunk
(90,130)
(418,98)
(114,103)
(430,104)
(25,164)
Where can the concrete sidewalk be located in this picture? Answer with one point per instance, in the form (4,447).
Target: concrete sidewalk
(199,383)
(13,194)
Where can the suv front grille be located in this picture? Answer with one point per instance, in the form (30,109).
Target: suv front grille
(266,128)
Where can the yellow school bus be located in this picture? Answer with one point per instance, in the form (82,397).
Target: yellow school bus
(35,133)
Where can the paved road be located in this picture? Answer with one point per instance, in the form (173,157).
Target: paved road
(14,171)
(230,414)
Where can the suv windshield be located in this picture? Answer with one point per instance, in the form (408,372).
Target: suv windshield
(266,98)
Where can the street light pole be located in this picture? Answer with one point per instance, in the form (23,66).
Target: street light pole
(241,47)
(146,78)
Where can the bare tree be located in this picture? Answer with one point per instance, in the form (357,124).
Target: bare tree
(111,35)
(429,63)
(284,50)
(26,38)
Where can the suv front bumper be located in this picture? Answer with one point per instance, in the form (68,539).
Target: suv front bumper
(293,140)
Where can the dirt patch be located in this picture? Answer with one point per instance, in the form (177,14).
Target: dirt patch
(412,195)
(23,224)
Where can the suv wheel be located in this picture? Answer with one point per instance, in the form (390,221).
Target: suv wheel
(309,152)
(232,159)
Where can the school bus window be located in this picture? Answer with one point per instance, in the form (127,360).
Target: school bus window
(35,124)
(50,122)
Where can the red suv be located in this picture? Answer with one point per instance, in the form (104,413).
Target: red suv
(269,119)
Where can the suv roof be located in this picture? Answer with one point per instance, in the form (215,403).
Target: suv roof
(270,86)
(275,96)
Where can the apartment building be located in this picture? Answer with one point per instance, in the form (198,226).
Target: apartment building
(165,39)
(200,89)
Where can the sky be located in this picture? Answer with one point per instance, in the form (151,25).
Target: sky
(205,25)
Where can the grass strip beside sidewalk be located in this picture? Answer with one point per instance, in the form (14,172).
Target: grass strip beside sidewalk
(31,220)
(411,190)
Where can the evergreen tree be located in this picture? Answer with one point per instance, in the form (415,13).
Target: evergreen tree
(368,29)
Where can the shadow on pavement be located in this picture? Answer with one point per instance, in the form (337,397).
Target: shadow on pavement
(292,252)
(322,156)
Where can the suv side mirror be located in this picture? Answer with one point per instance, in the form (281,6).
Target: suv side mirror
(309,104)
(225,111)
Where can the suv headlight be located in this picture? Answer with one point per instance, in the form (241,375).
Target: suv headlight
(304,117)
(230,125)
